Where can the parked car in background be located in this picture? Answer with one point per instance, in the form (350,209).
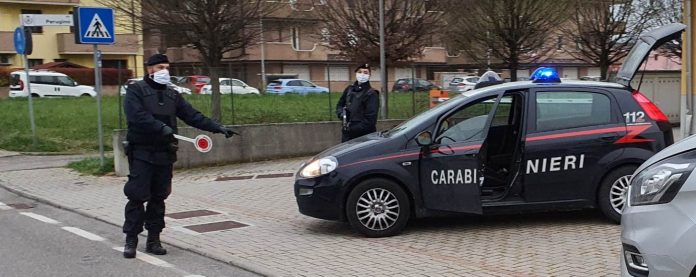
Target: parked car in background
(195,82)
(228,86)
(591,78)
(181,90)
(462,84)
(47,83)
(283,86)
(407,84)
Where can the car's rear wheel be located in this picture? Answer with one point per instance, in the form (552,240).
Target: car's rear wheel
(613,193)
(86,95)
(378,208)
(34,95)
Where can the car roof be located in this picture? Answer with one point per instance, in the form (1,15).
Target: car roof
(39,72)
(530,84)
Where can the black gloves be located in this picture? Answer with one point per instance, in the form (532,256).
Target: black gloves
(166,131)
(228,132)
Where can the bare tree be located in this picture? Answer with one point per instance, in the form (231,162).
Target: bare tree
(352,27)
(665,12)
(605,30)
(514,31)
(216,28)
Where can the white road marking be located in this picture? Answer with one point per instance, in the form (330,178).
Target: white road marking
(4,207)
(147,258)
(40,218)
(83,233)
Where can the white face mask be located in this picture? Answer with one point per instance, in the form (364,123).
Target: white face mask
(161,77)
(362,77)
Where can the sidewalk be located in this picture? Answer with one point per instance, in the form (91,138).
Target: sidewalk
(279,241)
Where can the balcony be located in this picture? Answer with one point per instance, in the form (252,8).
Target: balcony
(44,2)
(126,44)
(7,42)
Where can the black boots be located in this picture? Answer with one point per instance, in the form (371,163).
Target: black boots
(131,245)
(154,246)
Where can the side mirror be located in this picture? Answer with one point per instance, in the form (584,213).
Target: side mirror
(424,139)
(74,83)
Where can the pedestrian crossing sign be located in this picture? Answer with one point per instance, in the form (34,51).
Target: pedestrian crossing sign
(94,25)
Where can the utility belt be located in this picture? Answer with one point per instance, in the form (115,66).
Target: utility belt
(157,154)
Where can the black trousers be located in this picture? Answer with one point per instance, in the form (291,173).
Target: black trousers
(147,183)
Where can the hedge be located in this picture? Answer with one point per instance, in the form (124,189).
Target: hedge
(83,76)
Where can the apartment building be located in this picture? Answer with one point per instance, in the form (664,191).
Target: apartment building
(56,44)
(293,46)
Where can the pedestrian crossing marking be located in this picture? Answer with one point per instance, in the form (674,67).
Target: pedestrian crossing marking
(96,28)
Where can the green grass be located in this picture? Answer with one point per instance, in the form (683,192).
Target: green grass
(70,124)
(91,166)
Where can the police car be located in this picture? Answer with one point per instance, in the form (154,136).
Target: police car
(516,147)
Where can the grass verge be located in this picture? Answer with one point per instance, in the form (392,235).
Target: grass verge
(91,166)
(70,124)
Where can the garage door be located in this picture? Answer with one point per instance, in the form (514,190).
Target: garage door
(404,73)
(337,73)
(570,73)
(302,71)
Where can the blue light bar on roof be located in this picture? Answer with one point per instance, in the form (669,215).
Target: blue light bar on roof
(545,75)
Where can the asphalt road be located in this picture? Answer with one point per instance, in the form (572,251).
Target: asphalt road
(41,240)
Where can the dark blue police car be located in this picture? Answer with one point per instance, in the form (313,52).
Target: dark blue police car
(522,146)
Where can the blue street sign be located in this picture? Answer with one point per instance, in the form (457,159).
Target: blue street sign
(19,40)
(94,25)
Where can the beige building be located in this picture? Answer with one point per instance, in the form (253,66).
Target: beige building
(57,44)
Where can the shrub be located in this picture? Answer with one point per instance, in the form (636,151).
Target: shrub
(85,76)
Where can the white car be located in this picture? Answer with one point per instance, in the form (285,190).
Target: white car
(463,84)
(181,90)
(228,86)
(47,84)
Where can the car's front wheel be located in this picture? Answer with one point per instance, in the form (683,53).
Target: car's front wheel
(378,208)
(613,193)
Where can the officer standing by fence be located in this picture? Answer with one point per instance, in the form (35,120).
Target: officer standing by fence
(358,106)
(152,108)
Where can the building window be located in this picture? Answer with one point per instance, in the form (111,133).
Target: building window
(36,29)
(35,62)
(559,43)
(114,63)
(296,38)
(325,36)
(5,59)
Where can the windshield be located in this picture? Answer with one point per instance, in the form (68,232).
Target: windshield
(424,116)
(203,80)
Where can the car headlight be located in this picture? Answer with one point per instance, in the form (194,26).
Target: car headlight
(319,167)
(660,182)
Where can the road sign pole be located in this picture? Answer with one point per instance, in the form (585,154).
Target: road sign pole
(31,104)
(98,87)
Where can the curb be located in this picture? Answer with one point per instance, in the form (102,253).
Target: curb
(253,268)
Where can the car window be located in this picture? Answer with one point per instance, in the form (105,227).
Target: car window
(423,83)
(14,80)
(275,83)
(472,79)
(203,80)
(564,110)
(65,81)
(225,82)
(237,83)
(295,83)
(401,81)
(457,80)
(44,80)
(307,84)
(467,124)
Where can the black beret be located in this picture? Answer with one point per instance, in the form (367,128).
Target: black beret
(363,66)
(157,59)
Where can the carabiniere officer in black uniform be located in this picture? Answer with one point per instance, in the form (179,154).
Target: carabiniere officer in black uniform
(358,106)
(151,109)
